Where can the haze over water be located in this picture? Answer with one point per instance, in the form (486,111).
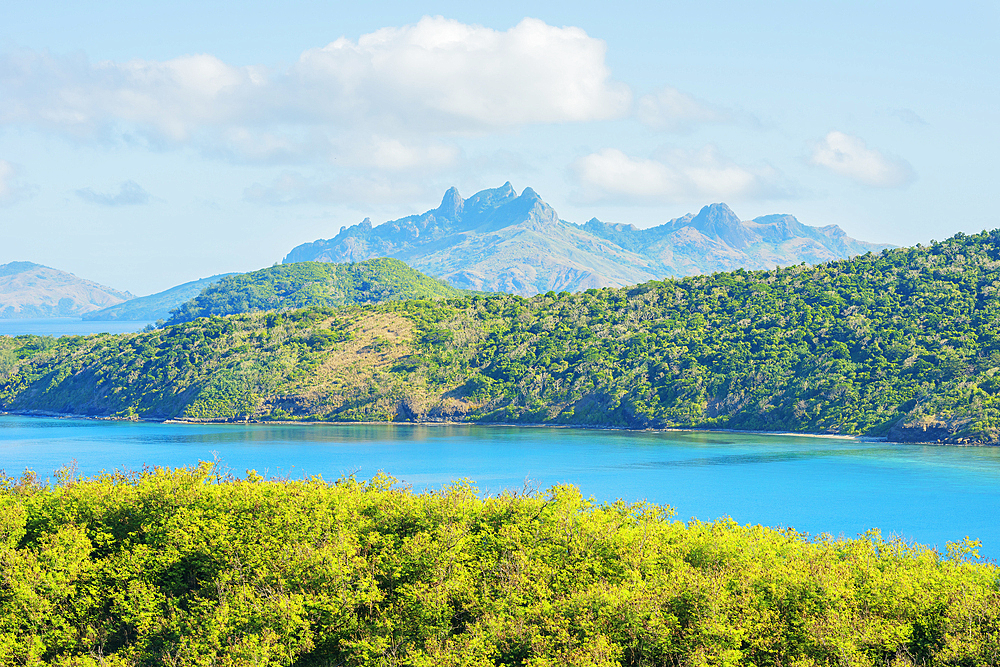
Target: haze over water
(927,494)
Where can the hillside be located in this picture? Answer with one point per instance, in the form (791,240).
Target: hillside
(155,306)
(500,241)
(32,290)
(303,284)
(902,344)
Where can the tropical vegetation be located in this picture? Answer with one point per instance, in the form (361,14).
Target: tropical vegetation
(304,284)
(195,567)
(904,343)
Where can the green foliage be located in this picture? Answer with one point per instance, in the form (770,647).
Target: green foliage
(305,284)
(8,359)
(903,344)
(213,368)
(190,567)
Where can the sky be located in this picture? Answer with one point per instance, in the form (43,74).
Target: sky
(147,144)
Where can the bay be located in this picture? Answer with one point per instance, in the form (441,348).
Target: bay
(928,494)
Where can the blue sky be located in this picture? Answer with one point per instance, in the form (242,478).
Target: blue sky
(146,144)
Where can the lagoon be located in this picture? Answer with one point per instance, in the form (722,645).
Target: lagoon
(928,494)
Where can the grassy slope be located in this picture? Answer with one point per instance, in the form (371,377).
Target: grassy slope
(186,567)
(904,343)
(304,284)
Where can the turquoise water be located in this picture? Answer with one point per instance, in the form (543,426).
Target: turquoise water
(927,494)
(66,326)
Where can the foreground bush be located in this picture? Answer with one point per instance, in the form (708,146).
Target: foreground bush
(187,567)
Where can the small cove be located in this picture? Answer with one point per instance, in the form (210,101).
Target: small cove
(924,493)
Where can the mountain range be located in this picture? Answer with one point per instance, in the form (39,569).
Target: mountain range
(494,241)
(497,240)
(32,290)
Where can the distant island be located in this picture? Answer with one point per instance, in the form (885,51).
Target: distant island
(900,344)
(499,241)
(29,290)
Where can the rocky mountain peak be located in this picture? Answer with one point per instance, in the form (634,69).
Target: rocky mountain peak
(529,193)
(779,227)
(718,221)
(715,216)
(489,199)
(537,209)
(451,204)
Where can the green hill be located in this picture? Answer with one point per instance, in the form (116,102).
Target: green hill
(304,284)
(904,343)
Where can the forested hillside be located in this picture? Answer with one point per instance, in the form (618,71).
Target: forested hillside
(304,284)
(189,567)
(904,343)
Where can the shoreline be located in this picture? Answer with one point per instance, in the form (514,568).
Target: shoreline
(221,422)
(589,427)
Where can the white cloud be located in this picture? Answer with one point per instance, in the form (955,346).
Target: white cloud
(11,188)
(851,157)
(675,176)
(437,75)
(393,155)
(129,194)
(168,100)
(440,71)
(671,110)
